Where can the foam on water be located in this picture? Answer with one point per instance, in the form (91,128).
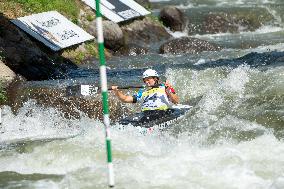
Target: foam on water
(177,34)
(232,138)
(263,30)
(29,125)
(244,2)
(193,157)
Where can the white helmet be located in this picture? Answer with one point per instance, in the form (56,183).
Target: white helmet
(150,73)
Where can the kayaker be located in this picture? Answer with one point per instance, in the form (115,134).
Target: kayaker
(154,96)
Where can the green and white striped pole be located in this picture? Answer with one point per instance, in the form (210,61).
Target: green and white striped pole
(104,88)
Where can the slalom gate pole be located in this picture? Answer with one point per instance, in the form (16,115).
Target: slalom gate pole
(103,78)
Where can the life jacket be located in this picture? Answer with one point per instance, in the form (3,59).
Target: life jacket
(153,99)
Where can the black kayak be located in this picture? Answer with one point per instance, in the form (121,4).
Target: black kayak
(159,118)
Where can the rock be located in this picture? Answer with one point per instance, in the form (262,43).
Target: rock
(70,106)
(187,45)
(132,50)
(113,35)
(132,39)
(232,20)
(6,74)
(13,52)
(219,24)
(173,18)
(28,57)
(144,32)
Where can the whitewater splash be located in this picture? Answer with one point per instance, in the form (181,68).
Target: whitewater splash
(232,138)
(188,158)
(28,124)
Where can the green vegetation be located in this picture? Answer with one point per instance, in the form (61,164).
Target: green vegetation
(90,17)
(89,49)
(1,55)
(3,95)
(10,9)
(67,7)
(155,19)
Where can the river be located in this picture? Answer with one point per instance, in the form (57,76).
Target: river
(231,139)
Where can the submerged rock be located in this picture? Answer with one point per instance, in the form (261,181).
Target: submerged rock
(72,107)
(219,24)
(232,20)
(132,50)
(187,45)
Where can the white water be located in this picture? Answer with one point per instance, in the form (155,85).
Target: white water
(152,161)
(232,139)
(210,148)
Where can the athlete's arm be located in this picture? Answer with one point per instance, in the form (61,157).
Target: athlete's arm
(173,97)
(171,93)
(121,96)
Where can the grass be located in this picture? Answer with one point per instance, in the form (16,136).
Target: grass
(11,9)
(90,18)
(68,8)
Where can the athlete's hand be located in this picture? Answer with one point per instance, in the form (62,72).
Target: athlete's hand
(167,84)
(114,88)
(169,87)
(171,92)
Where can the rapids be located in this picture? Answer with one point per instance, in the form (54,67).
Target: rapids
(232,138)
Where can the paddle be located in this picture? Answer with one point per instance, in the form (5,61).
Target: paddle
(89,90)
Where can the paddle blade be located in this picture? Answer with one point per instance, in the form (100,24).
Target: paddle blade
(81,90)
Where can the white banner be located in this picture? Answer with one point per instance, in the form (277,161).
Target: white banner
(119,10)
(53,29)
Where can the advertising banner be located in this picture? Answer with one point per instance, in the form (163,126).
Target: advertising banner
(52,29)
(119,10)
